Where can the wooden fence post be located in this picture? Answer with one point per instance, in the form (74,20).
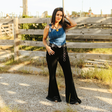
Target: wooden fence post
(101,14)
(9,29)
(16,40)
(80,13)
(111,12)
(0,30)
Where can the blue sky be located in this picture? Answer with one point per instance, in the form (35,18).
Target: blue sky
(36,7)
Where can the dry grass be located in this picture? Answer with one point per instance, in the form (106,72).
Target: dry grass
(103,75)
(7,109)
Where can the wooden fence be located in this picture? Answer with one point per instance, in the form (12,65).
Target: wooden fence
(6,29)
(87,28)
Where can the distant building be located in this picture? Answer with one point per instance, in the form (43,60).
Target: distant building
(90,12)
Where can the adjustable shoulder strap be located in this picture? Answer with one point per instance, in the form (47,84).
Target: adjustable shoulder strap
(50,25)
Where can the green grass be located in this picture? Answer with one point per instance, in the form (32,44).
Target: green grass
(32,48)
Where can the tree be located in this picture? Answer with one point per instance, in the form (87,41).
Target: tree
(74,13)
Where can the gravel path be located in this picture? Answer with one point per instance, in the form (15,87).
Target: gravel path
(28,92)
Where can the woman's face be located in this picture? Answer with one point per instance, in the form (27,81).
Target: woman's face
(58,16)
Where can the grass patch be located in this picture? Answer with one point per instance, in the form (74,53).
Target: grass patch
(103,75)
(78,63)
(4,69)
(32,48)
(11,61)
(3,37)
(44,71)
(23,71)
(75,50)
(90,50)
(102,50)
(7,109)
(38,62)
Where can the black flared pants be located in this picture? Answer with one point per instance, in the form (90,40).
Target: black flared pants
(53,92)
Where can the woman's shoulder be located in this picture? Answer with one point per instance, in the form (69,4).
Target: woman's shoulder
(48,26)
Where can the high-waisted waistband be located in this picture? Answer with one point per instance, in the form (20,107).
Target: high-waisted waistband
(64,46)
(53,45)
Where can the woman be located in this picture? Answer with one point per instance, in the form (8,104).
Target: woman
(57,52)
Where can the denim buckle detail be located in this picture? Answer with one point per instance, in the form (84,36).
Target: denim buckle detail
(59,46)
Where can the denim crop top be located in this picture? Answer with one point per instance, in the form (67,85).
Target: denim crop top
(57,37)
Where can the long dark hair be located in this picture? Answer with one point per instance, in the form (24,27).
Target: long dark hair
(63,22)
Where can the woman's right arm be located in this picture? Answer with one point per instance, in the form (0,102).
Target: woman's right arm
(45,34)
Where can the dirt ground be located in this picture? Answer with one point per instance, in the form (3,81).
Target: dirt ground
(28,92)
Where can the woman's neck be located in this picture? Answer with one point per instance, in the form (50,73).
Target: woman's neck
(56,24)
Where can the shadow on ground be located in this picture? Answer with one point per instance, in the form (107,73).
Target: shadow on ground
(28,92)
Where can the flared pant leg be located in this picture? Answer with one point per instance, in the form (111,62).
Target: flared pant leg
(53,92)
(71,95)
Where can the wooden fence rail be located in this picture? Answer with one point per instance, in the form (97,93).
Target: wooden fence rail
(6,29)
(88,28)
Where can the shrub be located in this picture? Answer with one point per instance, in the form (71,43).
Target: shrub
(32,26)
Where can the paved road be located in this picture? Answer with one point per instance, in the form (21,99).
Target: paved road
(28,92)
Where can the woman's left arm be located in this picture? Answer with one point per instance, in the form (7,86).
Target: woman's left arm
(71,21)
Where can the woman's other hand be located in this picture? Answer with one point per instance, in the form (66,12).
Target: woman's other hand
(49,50)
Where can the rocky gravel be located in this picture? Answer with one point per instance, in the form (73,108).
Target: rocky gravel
(28,92)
